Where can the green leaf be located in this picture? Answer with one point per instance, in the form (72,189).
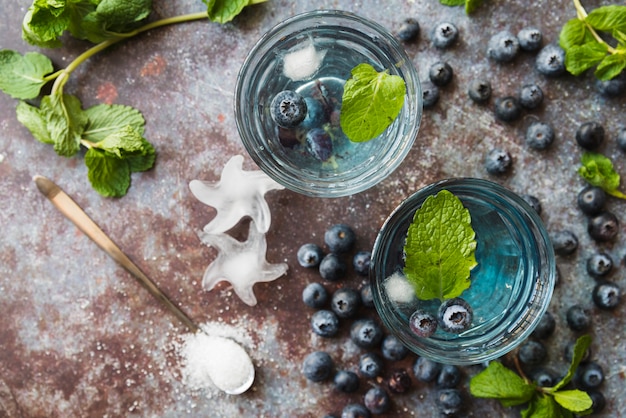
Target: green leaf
(472,5)
(440,248)
(112,17)
(544,407)
(108,174)
(498,382)
(573,400)
(611,66)
(46,20)
(580,347)
(22,76)
(452,2)
(579,58)
(371,101)
(222,11)
(33,120)
(607,18)
(144,160)
(598,171)
(106,119)
(572,34)
(124,142)
(65,122)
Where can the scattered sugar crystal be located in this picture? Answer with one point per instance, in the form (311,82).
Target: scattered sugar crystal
(302,64)
(398,289)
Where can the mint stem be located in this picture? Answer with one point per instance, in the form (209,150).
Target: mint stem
(582,14)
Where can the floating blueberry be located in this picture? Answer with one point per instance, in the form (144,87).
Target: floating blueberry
(346,381)
(498,161)
(449,401)
(355,410)
(530,39)
(399,381)
(449,376)
(550,60)
(455,315)
(288,137)
(564,242)
(319,144)
(590,375)
(317,366)
(532,353)
(345,302)
(444,35)
(479,90)
(533,202)
(340,238)
(422,323)
(409,30)
(366,333)
(507,109)
(546,326)
(430,94)
(578,318)
(591,200)
(440,73)
(315,295)
(599,264)
(530,96)
(325,323)
(503,46)
(332,267)
(393,349)
(590,135)
(288,109)
(603,227)
(426,370)
(539,135)
(370,365)
(606,295)
(377,400)
(361,262)
(309,255)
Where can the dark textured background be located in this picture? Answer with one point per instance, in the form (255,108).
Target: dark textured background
(79,337)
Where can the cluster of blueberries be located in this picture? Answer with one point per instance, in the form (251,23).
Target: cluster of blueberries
(379,348)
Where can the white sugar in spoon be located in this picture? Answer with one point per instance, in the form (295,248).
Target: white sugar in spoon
(232,373)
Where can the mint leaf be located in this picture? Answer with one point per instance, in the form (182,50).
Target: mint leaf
(143,160)
(112,17)
(580,347)
(108,174)
(371,101)
(452,2)
(46,21)
(22,76)
(33,120)
(440,248)
(222,11)
(611,66)
(498,382)
(579,58)
(608,18)
(472,5)
(544,407)
(573,400)
(65,122)
(598,171)
(573,33)
(104,119)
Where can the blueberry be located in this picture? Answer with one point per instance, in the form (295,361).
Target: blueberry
(621,139)
(367,299)
(449,376)
(614,87)
(355,410)
(533,202)
(325,323)
(339,238)
(288,109)
(449,401)
(479,90)
(444,35)
(332,267)
(430,94)
(422,323)
(503,46)
(507,109)
(568,353)
(310,255)
(345,302)
(393,349)
(315,295)
(543,377)
(539,135)
(288,137)
(606,295)
(599,264)
(545,327)
(319,144)
(317,366)
(530,39)
(346,381)
(530,96)
(370,365)
(578,318)
(366,333)
(589,375)
(426,370)
(603,227)
(316,115)
(377,400)
(440,73)
(455,315)
(498,161)
(399,381)
(550,61)
(409,30)
(564,242)
(532,353)
(590,135)
(361,263)
(591,200)
(598,399)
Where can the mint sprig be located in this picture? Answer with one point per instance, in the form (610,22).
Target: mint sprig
(112,135)
(470,5)
(499,382)
(371,101)
(598,171)
(584,40)
(440,247)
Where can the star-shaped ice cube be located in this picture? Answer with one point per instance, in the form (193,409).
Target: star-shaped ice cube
(241,263)
(238,194)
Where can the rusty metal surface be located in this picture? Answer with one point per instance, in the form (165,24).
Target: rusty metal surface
(78,336)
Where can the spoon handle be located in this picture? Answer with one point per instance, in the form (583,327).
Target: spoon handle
(74,213)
